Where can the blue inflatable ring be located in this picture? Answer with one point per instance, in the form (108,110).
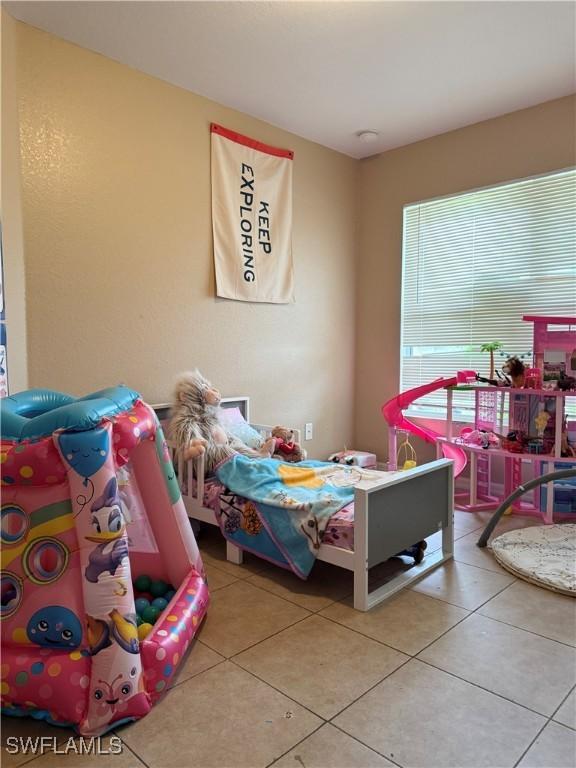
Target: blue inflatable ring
(38,413)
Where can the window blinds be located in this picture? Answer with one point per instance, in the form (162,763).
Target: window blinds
(473,264)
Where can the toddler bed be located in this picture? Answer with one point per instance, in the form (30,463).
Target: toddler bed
(390,512)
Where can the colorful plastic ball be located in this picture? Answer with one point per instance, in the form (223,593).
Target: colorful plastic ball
(141,604)
(144,630)
(159,588)
(150,614)
(160,602)
(145,595)
(139,620)
(169,595)
(142,583)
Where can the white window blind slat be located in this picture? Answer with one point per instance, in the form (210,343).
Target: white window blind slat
(473,264)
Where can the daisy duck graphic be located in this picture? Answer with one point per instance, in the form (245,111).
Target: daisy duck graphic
(108,523)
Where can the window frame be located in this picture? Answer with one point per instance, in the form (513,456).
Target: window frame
(437,412)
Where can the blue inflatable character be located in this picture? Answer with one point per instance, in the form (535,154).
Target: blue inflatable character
(55,627)
(86,451)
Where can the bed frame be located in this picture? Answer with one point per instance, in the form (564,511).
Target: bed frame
(391,514)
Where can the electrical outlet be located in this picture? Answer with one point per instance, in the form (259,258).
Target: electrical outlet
(309,431)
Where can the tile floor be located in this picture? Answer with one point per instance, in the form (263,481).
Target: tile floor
(470,668)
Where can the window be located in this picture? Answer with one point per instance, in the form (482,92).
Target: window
(473,264)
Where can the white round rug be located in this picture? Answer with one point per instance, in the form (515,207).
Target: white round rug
(543,554)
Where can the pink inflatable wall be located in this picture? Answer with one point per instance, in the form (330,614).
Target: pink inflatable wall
(84,512)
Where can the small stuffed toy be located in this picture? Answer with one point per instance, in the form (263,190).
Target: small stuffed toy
(516,370)
(285,447)
(195,428)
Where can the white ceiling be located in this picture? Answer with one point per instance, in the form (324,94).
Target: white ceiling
(326,70)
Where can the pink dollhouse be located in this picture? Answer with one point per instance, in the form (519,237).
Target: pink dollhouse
(554,344)
(518,433)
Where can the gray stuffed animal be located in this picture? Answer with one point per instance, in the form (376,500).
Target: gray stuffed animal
(195,428)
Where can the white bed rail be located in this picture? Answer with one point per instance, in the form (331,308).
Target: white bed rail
(374,528)
(191,479)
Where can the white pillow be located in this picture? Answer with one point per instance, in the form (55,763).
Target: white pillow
(234,423)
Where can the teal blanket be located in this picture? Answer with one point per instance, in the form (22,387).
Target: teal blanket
(280,511)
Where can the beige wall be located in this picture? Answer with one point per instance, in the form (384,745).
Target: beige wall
(116,201)
(117,235)
(524,143)
(11,213)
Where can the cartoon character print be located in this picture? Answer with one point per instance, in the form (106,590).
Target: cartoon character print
(123,629)
(111,698)
(312,532)
(285,500)
(97,634)
(240,515)
(120,588)
(343,476)
(109,526)
(117,686)
(86,451)
(54,627)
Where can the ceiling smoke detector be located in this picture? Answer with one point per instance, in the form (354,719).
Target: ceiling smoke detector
(367,137)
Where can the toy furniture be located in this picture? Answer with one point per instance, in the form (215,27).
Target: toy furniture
(527,430)
(89,502)
(391,512)
(554,345)
(497,472)
(393,412)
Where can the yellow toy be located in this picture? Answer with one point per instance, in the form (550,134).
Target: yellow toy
(541,421)
(406,457)
(144,630)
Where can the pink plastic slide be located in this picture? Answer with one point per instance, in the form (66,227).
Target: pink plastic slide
(393,413)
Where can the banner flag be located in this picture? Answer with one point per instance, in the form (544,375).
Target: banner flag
(251,218)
